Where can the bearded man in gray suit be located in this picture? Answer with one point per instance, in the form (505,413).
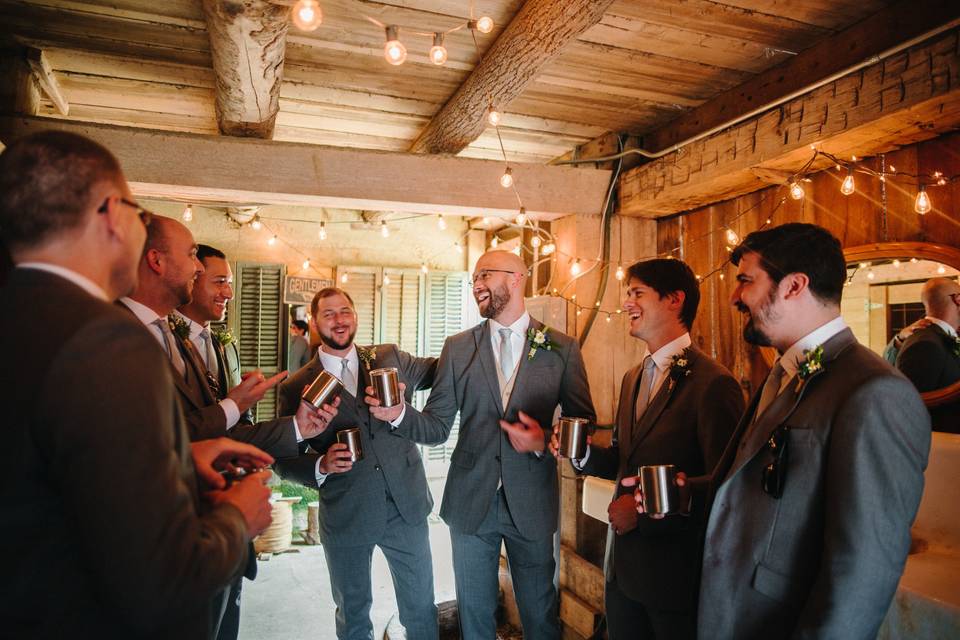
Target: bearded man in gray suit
(506,377)
(813,500)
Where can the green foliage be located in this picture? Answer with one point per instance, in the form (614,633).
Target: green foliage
(307,494)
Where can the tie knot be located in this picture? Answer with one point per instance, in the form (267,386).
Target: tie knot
(505,333)
(162,323)
(649,363)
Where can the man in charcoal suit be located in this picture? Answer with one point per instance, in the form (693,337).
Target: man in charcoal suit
(111,535)
(382,500)
(506,377)
(813,500)
(678,407)
(169,271)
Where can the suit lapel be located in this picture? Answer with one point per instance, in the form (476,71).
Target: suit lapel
(627,409)
(363,381)
(658,404)
(525,363)
(481,336)
(196,375)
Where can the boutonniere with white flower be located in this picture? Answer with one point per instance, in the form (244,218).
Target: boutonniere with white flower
(811,364)
(368,355)
(539,339)
(179,326)
(222,335)
(679,367)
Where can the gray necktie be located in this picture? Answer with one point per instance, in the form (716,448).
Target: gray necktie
(506,354)
(170,344)
(771,389)
(212,365)
(646,384)
(347,378)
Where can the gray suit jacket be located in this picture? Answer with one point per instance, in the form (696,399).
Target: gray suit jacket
(352,504)
(466,381)
(687,424)
(824,560)
(111,537)
(928,359)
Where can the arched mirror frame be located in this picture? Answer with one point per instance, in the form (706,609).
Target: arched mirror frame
(941,253)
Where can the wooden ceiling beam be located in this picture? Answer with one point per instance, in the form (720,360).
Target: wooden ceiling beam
(43,73)
(222,169)
(907,97)
(247,47)
(533,38)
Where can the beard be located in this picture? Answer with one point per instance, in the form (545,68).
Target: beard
(765,314)
(332,342)
(496,303)
(184,293)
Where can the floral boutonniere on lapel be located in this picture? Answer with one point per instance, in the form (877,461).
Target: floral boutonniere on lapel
(539,339)
(956,346)
(811,364)
(679,367)
(222,335)
(179,326)
(368,355)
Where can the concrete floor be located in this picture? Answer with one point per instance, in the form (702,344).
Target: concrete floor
(291,597)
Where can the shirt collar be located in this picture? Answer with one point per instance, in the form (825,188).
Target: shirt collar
(791,357)
(951,331)
(144,314)
(519,327)
(663,356)
(195,327)
(81,281)
(334,364)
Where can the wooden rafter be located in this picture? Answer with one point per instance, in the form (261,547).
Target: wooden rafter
(40,67)
(533,38)
(247,44)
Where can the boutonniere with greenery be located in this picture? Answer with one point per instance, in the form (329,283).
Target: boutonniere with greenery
(956,346)
(812,363)
(179,326)
(539,339)
(368,355)
(679,367)
(222,335)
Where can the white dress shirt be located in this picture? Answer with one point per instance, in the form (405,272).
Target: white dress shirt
(951,331)
(518,339)
(81,281)
(791,358)
(230,409)
(148,317)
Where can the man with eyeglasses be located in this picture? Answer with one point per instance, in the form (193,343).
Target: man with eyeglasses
(930,357)
(112,536)
(813,500)
(505,377)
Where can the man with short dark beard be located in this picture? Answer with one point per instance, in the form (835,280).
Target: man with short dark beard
(381,500)
(506,377)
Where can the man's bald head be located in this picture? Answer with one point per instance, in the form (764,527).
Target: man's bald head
(498,259)
(940,299)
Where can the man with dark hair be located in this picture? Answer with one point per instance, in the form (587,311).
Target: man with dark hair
(298,354)
(678,407)
(111,535)
(381,500)
(813,500)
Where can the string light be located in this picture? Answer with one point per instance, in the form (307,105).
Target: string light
(506,180)
(273,240)
(871,275)
(522,216)
(393,49)
(941,269)
(732,237)
(322,234)
(458,247)
(438,52)
(619,275)
(485,221)
(516,250)
(484,24)
(423,268)
(796,191)
(494,242)
(384,231)
(306,264)
(306,15)
(493,117)
(386,280)
(896,264)
(548,248)
(255,224)
(344,278)
(848,186)
(536,241)
(188,213)
(922,204)
(441,223)
(575,268)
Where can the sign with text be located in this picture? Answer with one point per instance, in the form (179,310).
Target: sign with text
(300,290)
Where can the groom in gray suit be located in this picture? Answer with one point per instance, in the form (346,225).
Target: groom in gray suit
(813,500)
(506,377)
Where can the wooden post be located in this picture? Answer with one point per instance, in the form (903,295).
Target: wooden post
(18,89)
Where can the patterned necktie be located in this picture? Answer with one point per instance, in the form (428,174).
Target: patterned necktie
(771,389)
(170,345)
(646,384)
(210,355)
(506,354)
(347,378)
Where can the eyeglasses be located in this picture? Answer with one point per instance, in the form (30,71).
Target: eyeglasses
(145,215)
(775,474)
(484,274)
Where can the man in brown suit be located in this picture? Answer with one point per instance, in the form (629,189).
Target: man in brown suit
(111,537)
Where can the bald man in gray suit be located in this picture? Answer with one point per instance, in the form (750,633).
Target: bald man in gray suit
(506,377)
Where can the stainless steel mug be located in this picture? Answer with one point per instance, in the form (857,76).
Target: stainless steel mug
(573,437)
(323,390)
(351,438)
(660,493)
(386,386)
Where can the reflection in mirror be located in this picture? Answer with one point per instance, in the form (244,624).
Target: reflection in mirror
(882,296)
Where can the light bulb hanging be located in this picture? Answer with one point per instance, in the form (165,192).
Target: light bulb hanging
(441,223)
(848,186)
(423,268)
(493,117)
(535,241)
(522,216)
(188,213)
(494,242)
(548,248)
(485,24)
(306,15)
(255,224)
(273,240)
(575,268)
(941,270)
(458,247)
(306,264)
(393,49)
(506,180)
(438,52)
(619,275)
(796,191)
(732,237)
(344,277)
(322,234)
(386,280)
(922,204)
(384,231)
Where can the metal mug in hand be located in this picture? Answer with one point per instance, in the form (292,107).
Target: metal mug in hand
(323,390)
(660,493)
(351,438)
(386,386)
(573,438)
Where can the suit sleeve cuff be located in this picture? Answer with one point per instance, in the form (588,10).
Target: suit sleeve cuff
(321,477)
(396,421)
(582,462)
(231,411)
(296,429)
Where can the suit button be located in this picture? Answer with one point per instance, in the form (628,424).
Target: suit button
(372,436)
(377,467)
(498,458)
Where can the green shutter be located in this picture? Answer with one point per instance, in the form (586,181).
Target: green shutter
(401,311)
(362,288)
(258,324)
